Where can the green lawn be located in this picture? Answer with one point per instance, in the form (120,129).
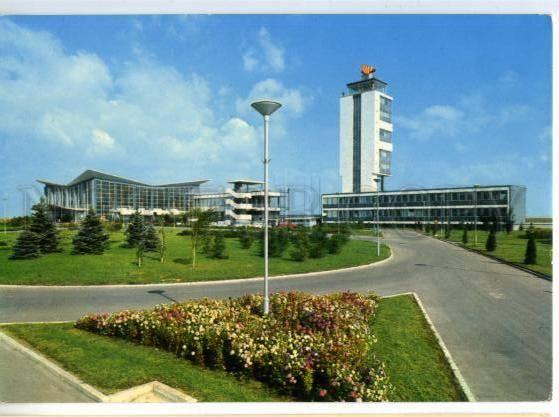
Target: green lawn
(117,264)
(414,361)
(112,365)
(510,247)
(415,364)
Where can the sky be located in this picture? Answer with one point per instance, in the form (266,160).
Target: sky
(167,98)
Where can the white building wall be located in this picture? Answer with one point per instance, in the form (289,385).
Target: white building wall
(346,143)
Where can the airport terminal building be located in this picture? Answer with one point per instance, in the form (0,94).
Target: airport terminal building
(116,198)
(366,146)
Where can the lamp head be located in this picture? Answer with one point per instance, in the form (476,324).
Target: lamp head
(266,107)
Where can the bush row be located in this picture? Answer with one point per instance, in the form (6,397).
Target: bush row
(311,347)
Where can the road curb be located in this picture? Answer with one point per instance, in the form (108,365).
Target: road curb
(53,368)
(198,283)
(495,258)
(455,370)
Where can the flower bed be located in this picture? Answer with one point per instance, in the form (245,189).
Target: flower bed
(312,347)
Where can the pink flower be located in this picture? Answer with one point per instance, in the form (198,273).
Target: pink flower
(322,392)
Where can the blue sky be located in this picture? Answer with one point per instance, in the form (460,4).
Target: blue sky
(166,98)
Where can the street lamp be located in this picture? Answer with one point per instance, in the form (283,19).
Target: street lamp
(475,214)
(266,108)
(5,219)
(377,180)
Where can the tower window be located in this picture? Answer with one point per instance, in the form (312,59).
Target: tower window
(385,109)
(385,135)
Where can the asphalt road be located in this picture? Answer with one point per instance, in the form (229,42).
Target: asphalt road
(494,319)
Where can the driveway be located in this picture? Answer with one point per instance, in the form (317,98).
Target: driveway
(494,319)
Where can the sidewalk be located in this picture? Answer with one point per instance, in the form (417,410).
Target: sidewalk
(25,381)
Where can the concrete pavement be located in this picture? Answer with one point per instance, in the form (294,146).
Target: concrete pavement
(494,319)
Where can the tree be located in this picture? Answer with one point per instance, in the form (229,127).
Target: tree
(531,255)
(318,243)
(162,246)
(135,230)
(335,243)
(150,239)
(91,237)
(491,242)
(245,238)
(47,235)
(207,240)
(200,221)
(509,222)
(278,240)
(219,249)
(300,251)
(140,248)
(27,246)
(465,235)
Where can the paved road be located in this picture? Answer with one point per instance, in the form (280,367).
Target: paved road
(494,319)
(25,381)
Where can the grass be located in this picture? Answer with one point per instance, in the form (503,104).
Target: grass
(510,247)
(414,361)
(117,264)
(112,365)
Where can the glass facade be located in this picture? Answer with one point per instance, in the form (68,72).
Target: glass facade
(450,205)
(111,196)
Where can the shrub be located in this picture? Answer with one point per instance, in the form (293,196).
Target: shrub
(219,248)
(301,247)
(115,226)
(318,243)
(491,242)
(311,347)
(207,242)
(539,234)
(465,235)
(27,246)
(278,240)
(531,255)
(335,243)
(246,238)
(91,238)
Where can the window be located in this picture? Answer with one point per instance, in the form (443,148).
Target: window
(385,109)
(385,162)
(385,135)
(356,143)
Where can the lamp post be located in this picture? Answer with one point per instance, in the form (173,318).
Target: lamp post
(5,219)
(475,214)
(266,108)
(377,180)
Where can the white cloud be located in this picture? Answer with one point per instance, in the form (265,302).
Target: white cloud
(75,102)
(267,56)
(293,101)
(470,115)
(101,141)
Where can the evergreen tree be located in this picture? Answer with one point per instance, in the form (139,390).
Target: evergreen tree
(27,246)
(300,251)
(491,243)
(162,246)
(219,249)
(136,230)
(465,235)
(335,244)
(207,242)
(531,255)
(91,238)
(245,238)
(47,235)
(150,239)
(318,243)
(277,242)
